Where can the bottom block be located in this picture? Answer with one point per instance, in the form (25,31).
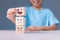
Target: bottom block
(20,29)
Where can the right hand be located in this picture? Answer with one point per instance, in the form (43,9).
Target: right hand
(10,13)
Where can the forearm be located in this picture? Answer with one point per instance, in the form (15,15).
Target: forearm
(48,28)
(38,28)
(53,27)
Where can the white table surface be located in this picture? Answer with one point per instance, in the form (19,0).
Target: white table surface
(40,35)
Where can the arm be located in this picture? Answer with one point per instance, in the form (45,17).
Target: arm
(52,27)
(38,28)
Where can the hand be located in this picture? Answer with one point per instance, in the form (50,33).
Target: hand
(34,28)
(30,28)
(11,12)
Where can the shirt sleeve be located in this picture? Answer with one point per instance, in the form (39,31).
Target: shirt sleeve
(52,19)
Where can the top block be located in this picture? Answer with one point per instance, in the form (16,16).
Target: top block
(21,11)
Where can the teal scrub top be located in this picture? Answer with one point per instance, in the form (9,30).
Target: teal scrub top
(42,17)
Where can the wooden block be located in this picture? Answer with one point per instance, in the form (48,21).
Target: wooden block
(20,21)
(21,11)
(19,29)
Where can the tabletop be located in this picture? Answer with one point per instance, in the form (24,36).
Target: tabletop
(35,35)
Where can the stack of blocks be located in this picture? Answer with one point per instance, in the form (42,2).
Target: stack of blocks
(20,20)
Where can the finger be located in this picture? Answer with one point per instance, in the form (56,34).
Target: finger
(13,10)
(28,29)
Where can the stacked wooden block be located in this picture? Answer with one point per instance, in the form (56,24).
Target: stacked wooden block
(20,20)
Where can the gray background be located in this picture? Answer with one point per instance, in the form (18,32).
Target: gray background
(6,24)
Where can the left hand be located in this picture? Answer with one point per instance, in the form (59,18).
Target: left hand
(30,28)
(33,28)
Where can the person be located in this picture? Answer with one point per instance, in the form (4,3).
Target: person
(37,17)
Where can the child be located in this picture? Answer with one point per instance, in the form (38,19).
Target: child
(37,18)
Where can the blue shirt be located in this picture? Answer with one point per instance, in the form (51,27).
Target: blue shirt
(42,17)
